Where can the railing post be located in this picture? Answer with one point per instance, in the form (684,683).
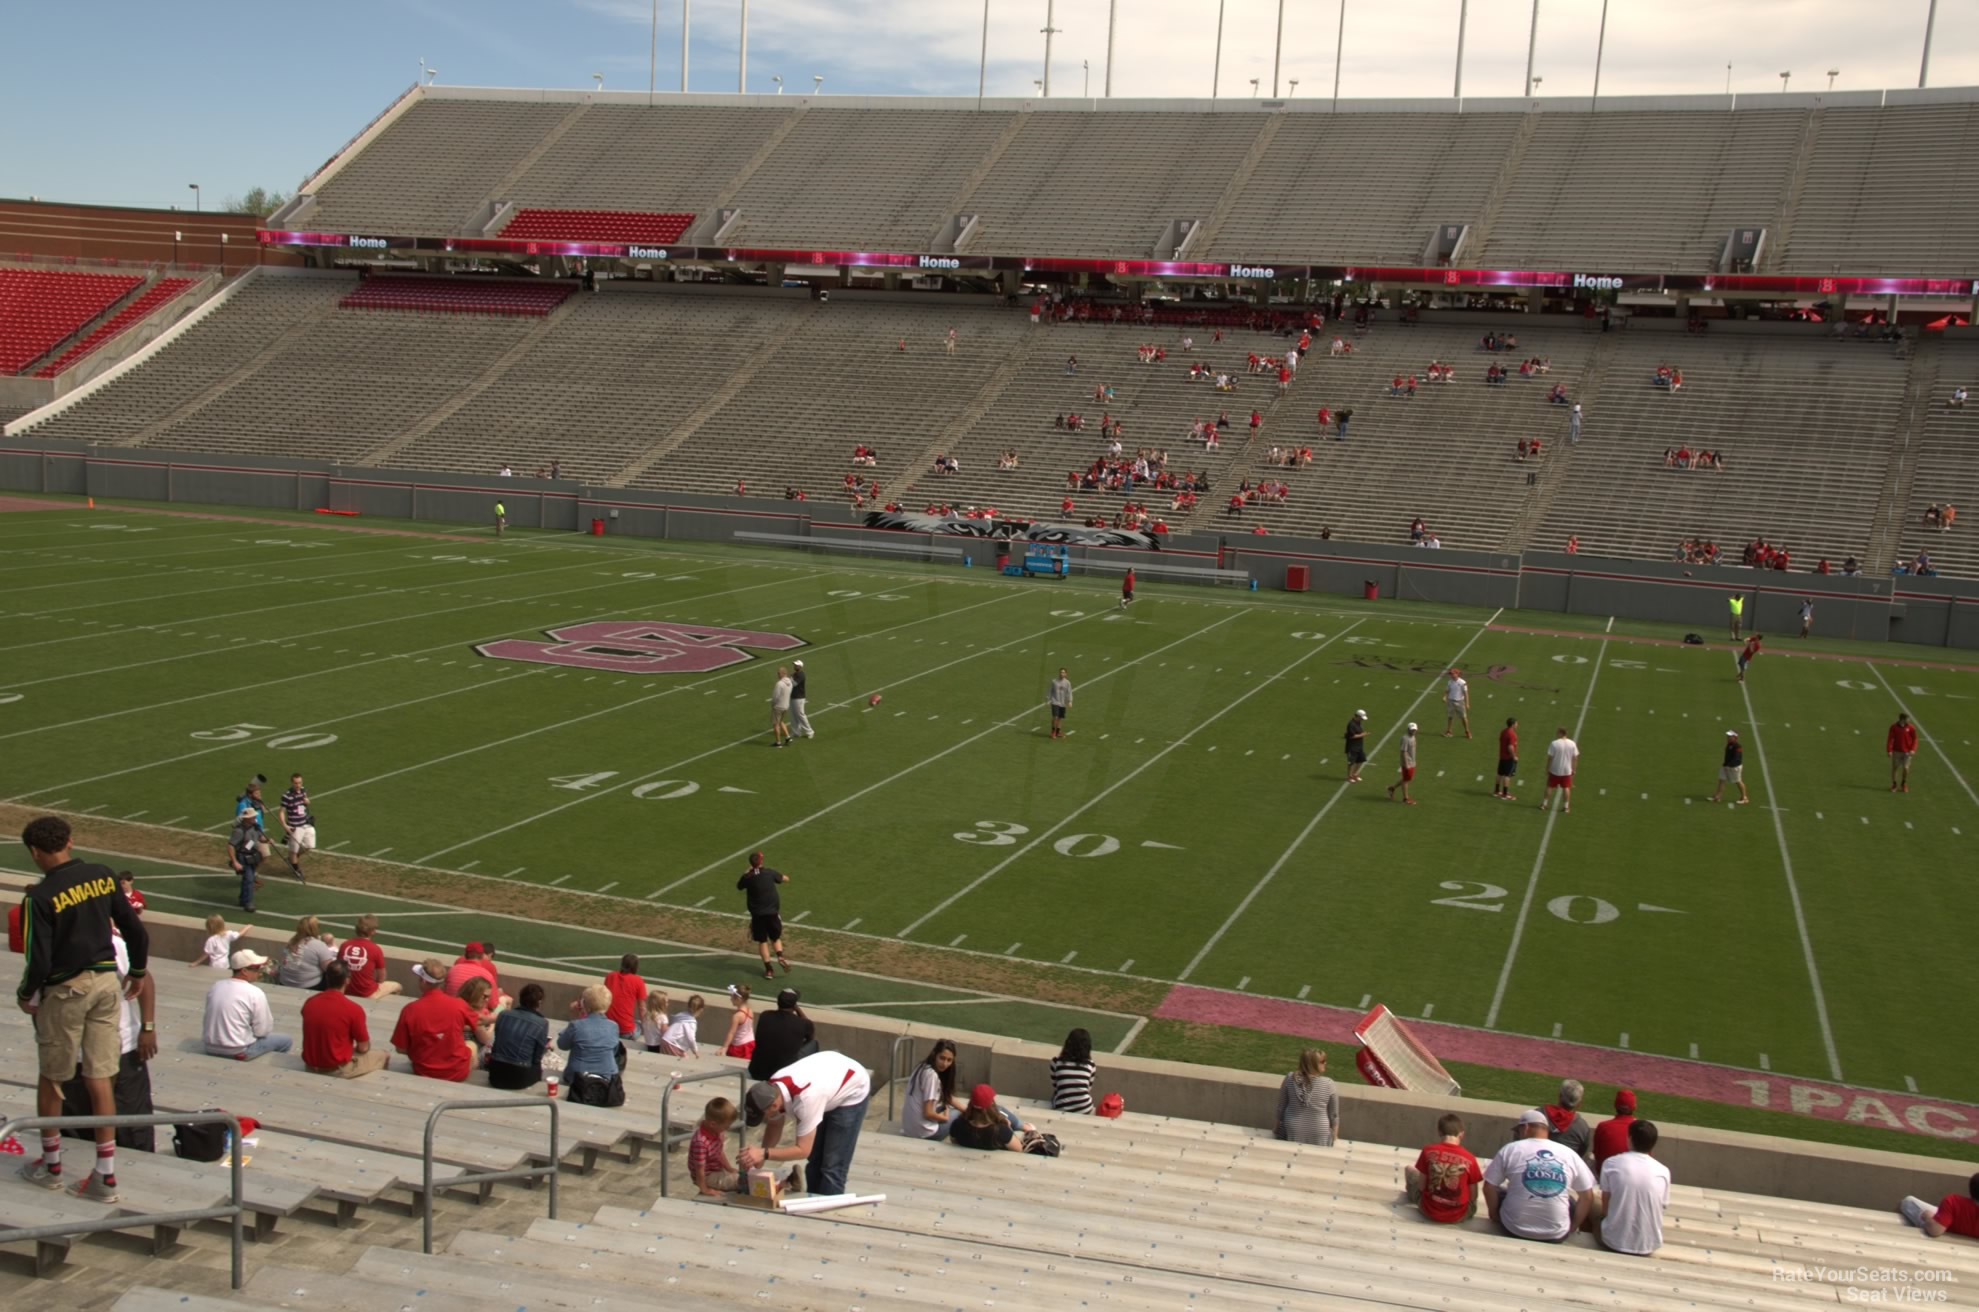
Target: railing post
(893,1070)
(485,1177)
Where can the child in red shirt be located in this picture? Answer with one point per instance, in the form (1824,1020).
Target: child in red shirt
(707,1156)
(1443,1182)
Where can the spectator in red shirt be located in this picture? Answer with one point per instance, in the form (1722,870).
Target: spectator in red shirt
(438,1032)
(335,1037)
(366,961)
(1443,1182)
(127,885)
(1611,1137)
(1257,420)
(628,991)
(1954,1215)
(476,961)
(1901,745)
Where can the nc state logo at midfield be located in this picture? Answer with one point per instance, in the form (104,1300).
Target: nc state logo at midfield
(640,647)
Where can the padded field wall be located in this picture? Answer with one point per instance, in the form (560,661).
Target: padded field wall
(1933,612)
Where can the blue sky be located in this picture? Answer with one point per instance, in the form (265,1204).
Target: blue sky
(233,95)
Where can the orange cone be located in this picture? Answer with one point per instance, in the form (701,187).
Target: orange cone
(92,503)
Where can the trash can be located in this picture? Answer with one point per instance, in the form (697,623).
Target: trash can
(1370,589)
(1298,578)
(598,529)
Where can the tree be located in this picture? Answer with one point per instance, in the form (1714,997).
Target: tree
(259,201)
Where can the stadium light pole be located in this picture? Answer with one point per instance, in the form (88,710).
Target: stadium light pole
(1216,70)
(1786,75)
(193,187)
(1930,22)
(1339,41)
(1833,73)
(742,66)
(982,62)
(685,5)
(177,236)
(223,255)
(1600,47)
(599,79)
(1293,84)
(1463,18)
(1107,88)
(1050,30)
(1531,45)
(1086,67)
(1277,49)
(1254,86)
(653,55)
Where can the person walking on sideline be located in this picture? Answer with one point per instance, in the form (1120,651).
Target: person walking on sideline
(1737,603)
(1508,758)
(800,723)
(298,825)
(70,990)
(1901,745)
(1457,703)
(1746,655)
(501,519)
(1806,615)
(780,693)
(244,842)
(1408,766)
(1356,746)
(1059,696)
(765,911)
(1733,770)
(1562,759)
(1127,589)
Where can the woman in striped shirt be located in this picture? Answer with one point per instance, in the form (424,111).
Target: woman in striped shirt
(1072,1073)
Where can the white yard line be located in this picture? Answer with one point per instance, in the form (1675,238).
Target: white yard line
(1319,815)
(926,761)
(1539,858)
(685,761)
(1123,781)
(1923,734)
(1793,890)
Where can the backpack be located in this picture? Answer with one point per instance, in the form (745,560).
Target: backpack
(1041,1144)
(595,1090)
(1692,640)
(201,1143)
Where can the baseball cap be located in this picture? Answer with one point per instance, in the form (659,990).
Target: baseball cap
(1731,733)
(980,1097)
(757,1104)
(787,1000)
(246,957)
(1412,726)
(1533,1116)
(798,664)
(1360,715)
(1625,1100)
(431,971)
(472,949)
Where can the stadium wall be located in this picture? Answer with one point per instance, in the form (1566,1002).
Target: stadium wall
(1934,612)
(1697,1157)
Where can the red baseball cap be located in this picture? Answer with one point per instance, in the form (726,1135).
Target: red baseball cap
(981,1096)
(472,950)
(1625,1100)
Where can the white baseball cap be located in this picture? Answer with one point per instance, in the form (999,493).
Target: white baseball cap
(247,957)
(798,664)
(1412,726)
(1360,715)
(1731,733)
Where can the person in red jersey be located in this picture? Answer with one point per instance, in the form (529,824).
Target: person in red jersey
(1508,758)
(1443,1182)
(1901,745)
(336,1041)
(1751,650)
(1127,589)
(628,991)
(1952,1216)
(1611,1137)
(437,1031)
(366,961)
(127,885)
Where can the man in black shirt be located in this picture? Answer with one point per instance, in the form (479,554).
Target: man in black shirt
(765,911)
(70,987)
(800,723)
(782,1036)
(1356,746)
(1733,770)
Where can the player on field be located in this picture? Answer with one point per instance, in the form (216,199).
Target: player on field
(800,723)
(1356,746)
(299,824)
(1059,697)
(1750,650)
(1901,746)
(1562,759)
(1127,589)
(1733,769)
(765,911)
(1806,615)
(1408,763)
(1508,758)
(1737,603)
(1457,702)
(780,706)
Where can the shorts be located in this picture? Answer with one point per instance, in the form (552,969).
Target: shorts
(765,929)
(1559,780)
(1458,708)
(1900,760)
(1356,756)
(1742,663)
(360,1063)
(1731,774)
(302,838)
(1408,773)
(1058,712)
(77,1022)
(1506,769)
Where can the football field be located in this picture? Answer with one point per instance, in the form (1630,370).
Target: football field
(592,715)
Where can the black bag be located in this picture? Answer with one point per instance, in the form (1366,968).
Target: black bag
(1042,1144)
(1692,640)
(200,1143)
(595,1090)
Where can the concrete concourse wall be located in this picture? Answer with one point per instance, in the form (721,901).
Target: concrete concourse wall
(1711,1159)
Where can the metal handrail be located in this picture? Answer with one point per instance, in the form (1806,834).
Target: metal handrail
(235,1209)
(893,1070)
(486,1177)
(667,1136)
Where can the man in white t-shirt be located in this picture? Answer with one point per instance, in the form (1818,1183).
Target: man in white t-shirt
(1562,759)
(1456,703)
(238,1023)
(825,1095)
(1535,1189)
(1635,1188)
(780,694)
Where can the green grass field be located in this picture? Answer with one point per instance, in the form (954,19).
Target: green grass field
(1193,827)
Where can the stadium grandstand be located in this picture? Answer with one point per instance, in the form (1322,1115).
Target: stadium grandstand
(1519,323)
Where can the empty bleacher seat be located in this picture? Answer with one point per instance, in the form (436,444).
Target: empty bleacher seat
(458,296)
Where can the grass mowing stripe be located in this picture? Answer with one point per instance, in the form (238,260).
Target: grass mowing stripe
(662,772)
(1924,734)
(1793,889)
(1123,781)
(926,761)
(1237,912)
(1539,858)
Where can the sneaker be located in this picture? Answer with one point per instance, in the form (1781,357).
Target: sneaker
(1409,801)
(783,961)
(37,1172)
(95,1189)
(768,973)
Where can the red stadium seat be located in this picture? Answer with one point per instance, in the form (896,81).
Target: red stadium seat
(39,307)
(158,294)
(597,225)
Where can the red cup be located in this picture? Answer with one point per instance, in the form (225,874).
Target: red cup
(553,1086)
